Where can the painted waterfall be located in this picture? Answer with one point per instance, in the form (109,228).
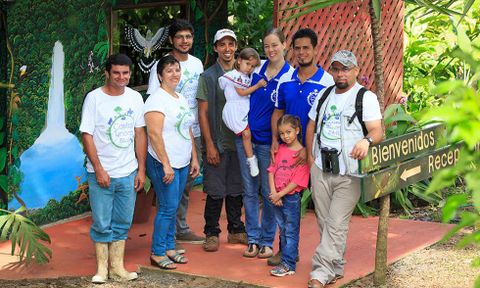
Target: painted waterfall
(51,164)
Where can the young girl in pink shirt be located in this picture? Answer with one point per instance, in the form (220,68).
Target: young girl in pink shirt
(286,181)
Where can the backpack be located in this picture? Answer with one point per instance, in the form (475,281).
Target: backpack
(358,107)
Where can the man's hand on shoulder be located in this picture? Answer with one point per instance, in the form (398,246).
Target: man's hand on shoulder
(301,157)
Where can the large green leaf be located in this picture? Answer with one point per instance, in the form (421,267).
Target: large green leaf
(377,7)
(462,39)
(451,206)
(312,6)
(306,198)
(25,236)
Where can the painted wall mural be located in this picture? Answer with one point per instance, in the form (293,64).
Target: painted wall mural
(55,66)
(52,164)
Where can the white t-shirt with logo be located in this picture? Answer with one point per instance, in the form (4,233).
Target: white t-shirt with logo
(112,120)
(176,126)
(331,120)
(191,70)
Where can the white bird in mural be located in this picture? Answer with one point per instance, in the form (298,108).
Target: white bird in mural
(147,44)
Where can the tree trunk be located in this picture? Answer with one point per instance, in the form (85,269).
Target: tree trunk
(380,273)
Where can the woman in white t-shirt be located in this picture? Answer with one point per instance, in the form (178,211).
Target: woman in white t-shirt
(168,117)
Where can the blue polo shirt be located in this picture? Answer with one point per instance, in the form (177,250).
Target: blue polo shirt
(262,103)
(296,98)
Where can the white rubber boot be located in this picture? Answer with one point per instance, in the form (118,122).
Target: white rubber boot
(117,270)
(101,251)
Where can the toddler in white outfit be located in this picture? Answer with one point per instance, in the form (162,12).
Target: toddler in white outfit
(237,89)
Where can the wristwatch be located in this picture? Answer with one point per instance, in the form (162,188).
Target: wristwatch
(369,139)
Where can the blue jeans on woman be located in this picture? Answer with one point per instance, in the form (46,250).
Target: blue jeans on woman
(168,198)
(288,219)
(112,207)
(259,231)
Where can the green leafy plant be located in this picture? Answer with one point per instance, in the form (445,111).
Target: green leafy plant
(250,19)
(460,114)
(26,237)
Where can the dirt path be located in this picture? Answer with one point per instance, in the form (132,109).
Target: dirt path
(442,265)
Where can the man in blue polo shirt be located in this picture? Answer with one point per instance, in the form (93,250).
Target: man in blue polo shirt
(297,91)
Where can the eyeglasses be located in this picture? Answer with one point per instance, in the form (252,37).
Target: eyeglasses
(184,37)
(344,69)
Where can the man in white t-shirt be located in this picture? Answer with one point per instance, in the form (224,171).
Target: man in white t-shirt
(115,142)
(335,142)
(181,37)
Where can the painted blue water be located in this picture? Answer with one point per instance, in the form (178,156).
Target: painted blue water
(49,171)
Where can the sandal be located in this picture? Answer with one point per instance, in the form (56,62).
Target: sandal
(178,258)
(163,264)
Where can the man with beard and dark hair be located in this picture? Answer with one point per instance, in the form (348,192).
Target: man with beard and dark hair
(344,121)
(180,35)
(298,90)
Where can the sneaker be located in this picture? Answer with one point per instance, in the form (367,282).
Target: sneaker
(179,248)
(265,252)
(251,251)
(190,238)
(237,238)
(211,244)
(253,164)
(281,270)
(276,259)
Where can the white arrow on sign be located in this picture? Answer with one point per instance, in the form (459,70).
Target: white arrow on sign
(407,173)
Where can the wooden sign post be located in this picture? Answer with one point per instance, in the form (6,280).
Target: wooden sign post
(398,162)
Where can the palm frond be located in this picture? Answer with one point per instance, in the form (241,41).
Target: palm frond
(25,236)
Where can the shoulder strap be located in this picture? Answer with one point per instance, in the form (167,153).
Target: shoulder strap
(359,110)
(321,101)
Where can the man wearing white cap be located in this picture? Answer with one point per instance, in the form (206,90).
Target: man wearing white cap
(343,123)
(222,178)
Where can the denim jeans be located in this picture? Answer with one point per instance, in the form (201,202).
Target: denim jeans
(182,226)
(288,219)
(168,197)
(259,231)
(112,208)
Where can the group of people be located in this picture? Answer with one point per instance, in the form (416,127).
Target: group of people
(262,131)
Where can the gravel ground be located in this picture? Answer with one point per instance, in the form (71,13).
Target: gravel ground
(149,278)
(442,265)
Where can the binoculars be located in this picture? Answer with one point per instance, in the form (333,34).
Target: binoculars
(330,160)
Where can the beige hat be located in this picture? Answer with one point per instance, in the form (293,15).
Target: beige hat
(346,58)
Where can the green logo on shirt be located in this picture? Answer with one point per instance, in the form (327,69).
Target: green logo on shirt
(121,128)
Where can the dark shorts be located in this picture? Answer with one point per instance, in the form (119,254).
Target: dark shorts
(225,179)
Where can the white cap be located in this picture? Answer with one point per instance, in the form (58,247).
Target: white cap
(224,33)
